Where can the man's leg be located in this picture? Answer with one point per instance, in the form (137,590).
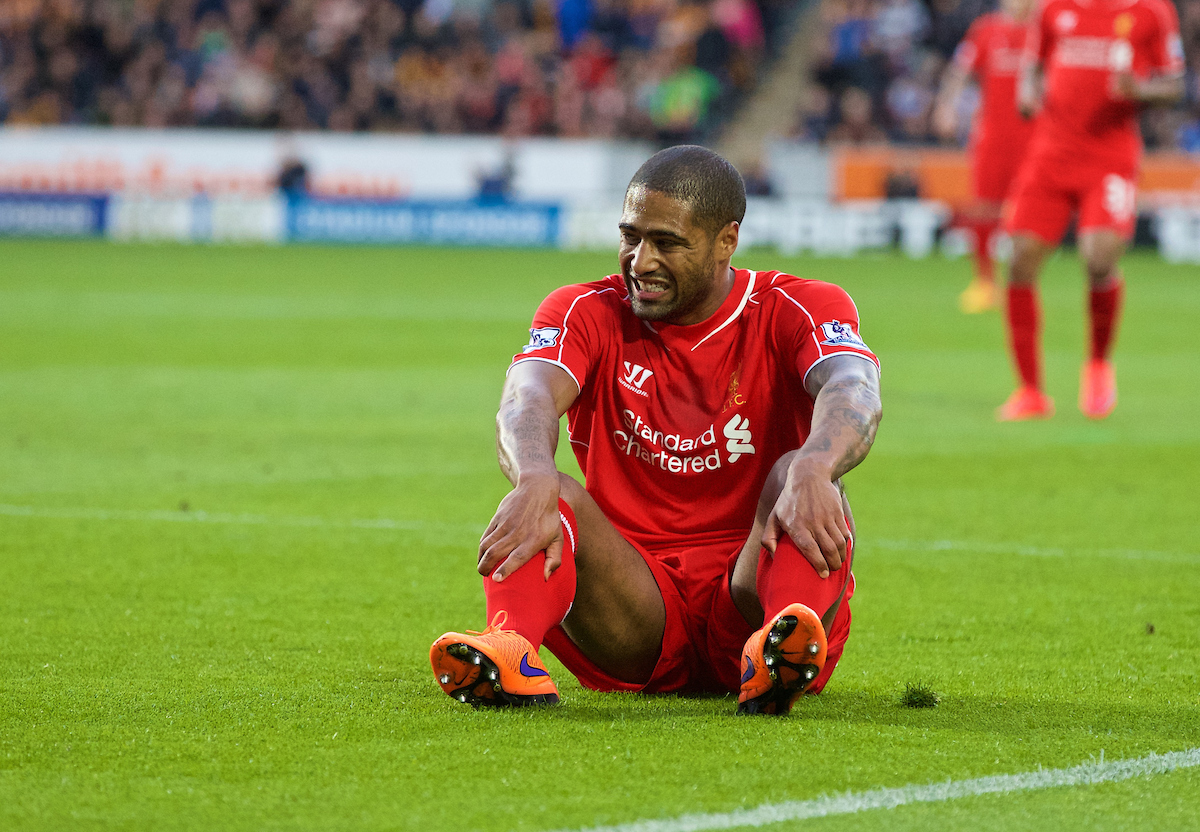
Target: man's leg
(983,219)
(619,616)
(604,595)
(794,580)
(797,610)
(1024,319)
(1101,250)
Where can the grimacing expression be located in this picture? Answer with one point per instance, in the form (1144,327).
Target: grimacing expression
(667,260)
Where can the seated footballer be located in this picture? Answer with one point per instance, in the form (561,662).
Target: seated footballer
(713,412)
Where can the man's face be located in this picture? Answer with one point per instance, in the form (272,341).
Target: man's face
(668,262)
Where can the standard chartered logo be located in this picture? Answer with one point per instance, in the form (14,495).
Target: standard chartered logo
(681,453)
(737,431)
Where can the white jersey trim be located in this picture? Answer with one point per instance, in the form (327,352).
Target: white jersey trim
(567,327)
(812,326)
(566,369)
(863,356)
(736,312)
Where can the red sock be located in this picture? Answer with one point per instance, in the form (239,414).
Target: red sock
(535,604)
(985,231)
(787,577)
(1105,307)
(1024,334)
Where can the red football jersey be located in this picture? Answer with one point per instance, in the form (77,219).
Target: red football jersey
(991,51)
(676,427)
(1080,44)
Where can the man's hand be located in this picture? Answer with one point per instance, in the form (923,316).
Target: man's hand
(945,121)
(809,511)
(1157,90)
(535,395)
(525,523)
(1124,86)
(846,413)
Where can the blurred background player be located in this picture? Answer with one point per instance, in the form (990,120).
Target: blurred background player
(1089,66)
(991,51)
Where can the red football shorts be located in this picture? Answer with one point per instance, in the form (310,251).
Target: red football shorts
(994,167)
(1049,190)
(705,632)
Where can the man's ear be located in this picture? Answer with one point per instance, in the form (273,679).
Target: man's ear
(727,241)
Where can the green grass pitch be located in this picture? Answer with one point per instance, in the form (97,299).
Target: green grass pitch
(240,490)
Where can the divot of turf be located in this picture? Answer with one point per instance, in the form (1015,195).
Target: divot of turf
(919,695)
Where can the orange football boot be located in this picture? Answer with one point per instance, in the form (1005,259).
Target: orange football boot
(1024,404)
(979,296)
(781,660)
(496,667)
(1097,388)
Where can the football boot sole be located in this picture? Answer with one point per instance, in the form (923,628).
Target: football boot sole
(791,678)
(468,675)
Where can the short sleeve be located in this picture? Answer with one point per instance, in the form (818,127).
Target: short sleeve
(817,321)
(566,331)
(1165,45)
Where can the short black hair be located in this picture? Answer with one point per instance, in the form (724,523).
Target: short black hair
(709,185)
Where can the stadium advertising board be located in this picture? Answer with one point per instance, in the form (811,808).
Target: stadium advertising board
(177,163)
(53,215)
(444,223)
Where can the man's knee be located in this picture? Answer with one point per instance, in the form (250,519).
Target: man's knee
(1028,254)
(570,490)
(1101,267)
(1101,250)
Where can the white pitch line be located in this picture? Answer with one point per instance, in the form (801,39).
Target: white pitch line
(424,526)
(198,516)
(1022,549)
(1087,774)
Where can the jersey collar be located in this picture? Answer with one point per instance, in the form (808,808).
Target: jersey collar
(692,336)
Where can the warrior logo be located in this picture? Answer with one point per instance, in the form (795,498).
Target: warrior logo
(635,377)
(737,431)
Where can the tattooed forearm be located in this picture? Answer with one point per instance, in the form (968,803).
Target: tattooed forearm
(846,413)
(526,432)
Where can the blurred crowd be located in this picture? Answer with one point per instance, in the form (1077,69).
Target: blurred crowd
(878,65)
(664,69)
(660,69)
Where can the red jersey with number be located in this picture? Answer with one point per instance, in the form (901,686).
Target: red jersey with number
(991,51)
(1081,44)
(676,427)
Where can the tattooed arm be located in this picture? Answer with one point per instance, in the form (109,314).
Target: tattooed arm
(846,413)
(536,394)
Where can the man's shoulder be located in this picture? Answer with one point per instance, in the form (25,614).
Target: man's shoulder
(608,292)
(1161,11)
(799,292)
